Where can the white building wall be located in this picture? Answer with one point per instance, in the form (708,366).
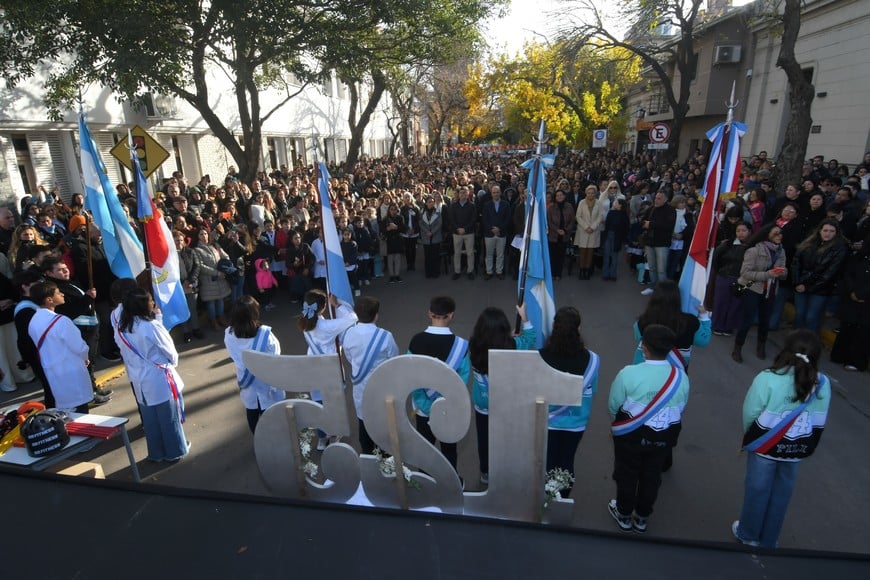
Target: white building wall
(305,119)
(834,42)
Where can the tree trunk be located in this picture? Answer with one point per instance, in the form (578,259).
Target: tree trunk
(357,128)
(801,93)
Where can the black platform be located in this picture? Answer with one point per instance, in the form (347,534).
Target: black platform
(59,527)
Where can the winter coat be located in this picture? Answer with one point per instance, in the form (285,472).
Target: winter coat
(188,269)
(431,224)
(856,278)
(588,218)
(560,219)
(756,264)
(211,287)
(818,267)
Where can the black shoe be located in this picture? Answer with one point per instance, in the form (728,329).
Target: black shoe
(188,337)
(455,276)
(500,276)
(198,333)
(103,392)
(99,400)
(399,279)
(487,276)
(112,357)
(471,276)
(393,280)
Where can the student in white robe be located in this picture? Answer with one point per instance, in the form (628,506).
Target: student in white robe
(151,360)
(62,351)
(246,333)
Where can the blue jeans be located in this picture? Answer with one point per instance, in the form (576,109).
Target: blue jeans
(657,260)
(783,294)
(163,433)
(767,490)
(237,289)
(611,256)
(809,309)
(215,308)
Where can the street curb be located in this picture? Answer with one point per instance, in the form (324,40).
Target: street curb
(109,374)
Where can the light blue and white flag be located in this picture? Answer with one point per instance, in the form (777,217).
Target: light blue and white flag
(336,276)
(123,249)
(538,293)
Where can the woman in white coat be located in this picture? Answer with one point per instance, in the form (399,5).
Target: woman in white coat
(150,357)
(590,215)
(246,333)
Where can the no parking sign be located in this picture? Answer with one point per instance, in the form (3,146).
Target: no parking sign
(599,138)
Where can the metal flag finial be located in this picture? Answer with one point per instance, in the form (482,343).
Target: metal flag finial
(541,139)
(731,104)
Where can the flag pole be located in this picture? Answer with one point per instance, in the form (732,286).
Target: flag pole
(329,307)
(87,217)
(144,279)
(524,266)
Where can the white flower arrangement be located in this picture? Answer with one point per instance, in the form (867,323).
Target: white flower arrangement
(558,479)
(306,436)
(387,464)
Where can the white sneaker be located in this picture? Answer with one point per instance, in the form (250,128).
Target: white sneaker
(356,292)
(8,387)
(734,527)
(850,368)
(646,291)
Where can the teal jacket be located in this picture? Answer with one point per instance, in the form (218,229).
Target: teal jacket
(480,388)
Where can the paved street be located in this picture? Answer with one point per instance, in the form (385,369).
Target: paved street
(699,498)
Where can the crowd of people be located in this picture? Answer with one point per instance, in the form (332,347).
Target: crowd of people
(247,246)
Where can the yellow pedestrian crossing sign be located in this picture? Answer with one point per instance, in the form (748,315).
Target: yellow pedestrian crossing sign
(151,153)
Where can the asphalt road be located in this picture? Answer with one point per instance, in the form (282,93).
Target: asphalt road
(700,496)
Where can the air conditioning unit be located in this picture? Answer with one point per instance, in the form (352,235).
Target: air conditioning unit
(159,106)
(726,54)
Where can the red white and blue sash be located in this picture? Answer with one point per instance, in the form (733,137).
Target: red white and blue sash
(167,371)
(766,442)
(588,377)
(665,394)
(261,341)
(676,358)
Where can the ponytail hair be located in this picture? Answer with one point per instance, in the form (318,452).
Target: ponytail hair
(313,305)
(801,351)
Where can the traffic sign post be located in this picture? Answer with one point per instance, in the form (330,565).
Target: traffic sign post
(658,136)
(151,153)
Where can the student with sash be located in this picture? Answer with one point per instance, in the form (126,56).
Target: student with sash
(366,347)
(566,351)
(784,414)
(247,333)
(438,341)
(492,331)
(151,359)
(62,351)
(321,333)
(646,403)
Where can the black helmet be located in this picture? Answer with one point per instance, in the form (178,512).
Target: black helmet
(45,433)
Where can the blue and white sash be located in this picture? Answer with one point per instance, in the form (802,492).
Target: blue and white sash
(315,348)
(371,353)
(588,377)
(454,359)
(665,394)
(261,341)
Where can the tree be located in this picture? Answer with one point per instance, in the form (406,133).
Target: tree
(446,102)
(801,92)
(420,33)
(172,46)
(646,20)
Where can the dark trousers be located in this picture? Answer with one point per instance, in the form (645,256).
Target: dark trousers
(253,416)
(481,424)
(557,257)
(410,252)
(561,448)
(754,305)
(431,259)
(367,446)
(637,472)
(852,346)
(448,449)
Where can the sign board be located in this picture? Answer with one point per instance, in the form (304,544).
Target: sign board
(657,146)
(659,133)
(599,138)
(151,153)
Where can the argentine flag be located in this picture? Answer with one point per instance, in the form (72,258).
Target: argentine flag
(165,275)
(122,247)
(336,276)
(538,294)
